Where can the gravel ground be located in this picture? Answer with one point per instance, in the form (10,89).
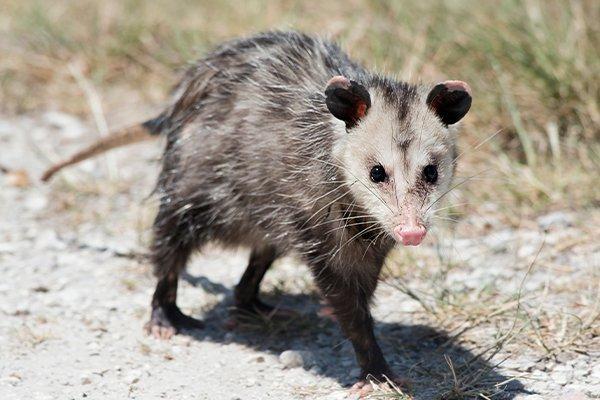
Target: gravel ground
(76,292)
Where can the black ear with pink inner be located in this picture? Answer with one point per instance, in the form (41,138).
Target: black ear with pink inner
(347,100)
(450,100)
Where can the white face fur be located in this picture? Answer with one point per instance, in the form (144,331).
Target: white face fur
(404,194)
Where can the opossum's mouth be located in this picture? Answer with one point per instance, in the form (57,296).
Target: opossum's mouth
(410,234)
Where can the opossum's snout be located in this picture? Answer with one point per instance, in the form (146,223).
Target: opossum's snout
(410,229)
(411,234)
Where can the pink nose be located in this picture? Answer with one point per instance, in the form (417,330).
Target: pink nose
(410,235)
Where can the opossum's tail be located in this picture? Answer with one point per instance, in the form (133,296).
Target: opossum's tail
(133,134)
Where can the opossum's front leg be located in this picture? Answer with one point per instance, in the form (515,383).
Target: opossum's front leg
(349,299)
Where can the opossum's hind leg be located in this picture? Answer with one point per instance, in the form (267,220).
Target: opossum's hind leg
(166,318)
(247,301)
(170,251)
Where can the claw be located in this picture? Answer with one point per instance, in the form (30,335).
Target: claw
(167,321)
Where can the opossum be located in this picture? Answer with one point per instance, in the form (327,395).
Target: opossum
(281,143)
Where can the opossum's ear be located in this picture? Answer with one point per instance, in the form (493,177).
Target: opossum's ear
(450,100)
(347,100)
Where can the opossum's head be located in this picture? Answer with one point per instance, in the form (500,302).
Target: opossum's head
(398,152)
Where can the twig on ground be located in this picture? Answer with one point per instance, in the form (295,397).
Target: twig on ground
(95,104)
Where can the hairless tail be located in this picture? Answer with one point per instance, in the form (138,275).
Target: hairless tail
(132,134)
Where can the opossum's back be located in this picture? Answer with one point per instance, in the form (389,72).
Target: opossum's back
(273,67)
(261,96)
(288,58)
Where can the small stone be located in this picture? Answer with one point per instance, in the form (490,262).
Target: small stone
(12,380)
(499,241)
(595,373)
(543,386)
(565,358)
(562,374)
(41,396)
(527,250)
(133,377)
(316,370)
(555,220)
(6,127)
(592,389)
(36,202)
(47,239)
(529,397)
(85,378)
(548,366)
(67,124)
(93,346)
(339,395)
(291,359)
(18,178)
(573,395)
(353,396)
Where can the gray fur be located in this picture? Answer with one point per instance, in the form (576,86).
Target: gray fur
(251,141)
(254,158)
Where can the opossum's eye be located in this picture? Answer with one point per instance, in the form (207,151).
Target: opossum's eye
(378,174)
(347,100)
(430,174)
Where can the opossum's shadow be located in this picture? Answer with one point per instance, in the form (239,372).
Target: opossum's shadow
(428,357)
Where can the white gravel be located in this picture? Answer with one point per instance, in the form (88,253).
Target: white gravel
(75,296)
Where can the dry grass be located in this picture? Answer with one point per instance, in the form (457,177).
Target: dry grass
(544,308)
(531,142)
(532,65)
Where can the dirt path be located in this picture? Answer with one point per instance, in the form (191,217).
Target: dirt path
(76,289)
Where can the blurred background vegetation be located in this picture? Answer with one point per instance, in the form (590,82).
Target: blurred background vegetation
(531,142)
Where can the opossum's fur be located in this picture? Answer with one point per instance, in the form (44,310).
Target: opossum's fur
(254,157)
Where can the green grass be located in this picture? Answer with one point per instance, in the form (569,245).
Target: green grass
(532,64)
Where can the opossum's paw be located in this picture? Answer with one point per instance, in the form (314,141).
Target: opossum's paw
(365,387)
(166,321)
(327,311)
